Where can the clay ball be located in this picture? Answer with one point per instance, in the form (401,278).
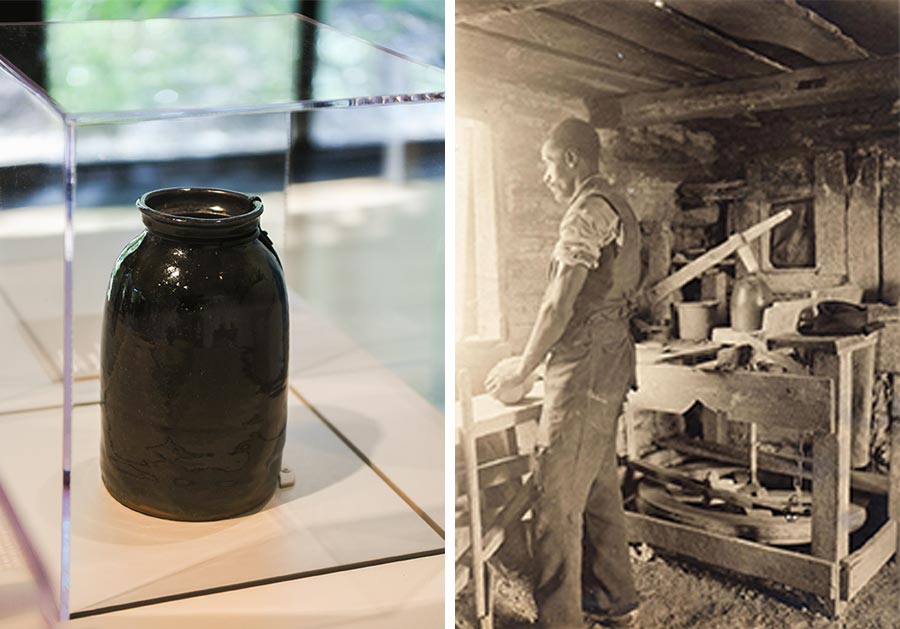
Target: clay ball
(514,395)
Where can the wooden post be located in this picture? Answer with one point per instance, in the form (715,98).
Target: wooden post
(862,228)
(861,426)
(894,491)
(830,214)
(629,416)
(715,426)
(473,492)
(754,455)
(831,473)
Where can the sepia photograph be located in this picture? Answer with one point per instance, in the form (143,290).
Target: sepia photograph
(677,340)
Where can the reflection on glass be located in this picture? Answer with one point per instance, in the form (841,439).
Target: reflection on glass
(154,68)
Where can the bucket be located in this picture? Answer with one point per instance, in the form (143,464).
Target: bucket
(695,319)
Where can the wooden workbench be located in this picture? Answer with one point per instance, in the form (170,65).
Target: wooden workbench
(815,405)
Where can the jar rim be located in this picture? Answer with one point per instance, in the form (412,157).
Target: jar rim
(200,212)
(180,205)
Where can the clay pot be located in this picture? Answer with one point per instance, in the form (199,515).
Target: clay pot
(749,298)
(194,360)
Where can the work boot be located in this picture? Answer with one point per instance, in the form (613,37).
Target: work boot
(596,620)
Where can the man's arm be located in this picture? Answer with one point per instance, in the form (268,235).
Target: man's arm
(553,317)
(554,314)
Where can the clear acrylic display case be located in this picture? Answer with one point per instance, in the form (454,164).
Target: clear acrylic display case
(320,125)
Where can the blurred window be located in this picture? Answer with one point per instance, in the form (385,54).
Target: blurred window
(477,261)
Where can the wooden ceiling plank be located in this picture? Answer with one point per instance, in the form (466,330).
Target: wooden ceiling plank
(780,22)
(672,35)
(572,35)
(564,64)
(477,11)
(497,60)
(810,86)
(635,48)
(874,24)
(727,41)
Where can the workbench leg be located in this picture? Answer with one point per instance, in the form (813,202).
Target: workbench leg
(835,607)
(629,418)
(831,477)
(894,487)
(473,491)
(861,423)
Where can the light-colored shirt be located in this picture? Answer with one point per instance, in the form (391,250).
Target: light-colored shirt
(589,224)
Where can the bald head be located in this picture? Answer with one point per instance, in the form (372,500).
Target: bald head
(570,155)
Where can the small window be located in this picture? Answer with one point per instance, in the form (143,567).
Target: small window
(792,244)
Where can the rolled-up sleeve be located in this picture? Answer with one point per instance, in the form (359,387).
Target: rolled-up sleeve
(585,230)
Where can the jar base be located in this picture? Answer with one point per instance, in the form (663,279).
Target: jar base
(165,515)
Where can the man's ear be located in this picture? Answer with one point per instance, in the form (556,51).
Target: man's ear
(571,157)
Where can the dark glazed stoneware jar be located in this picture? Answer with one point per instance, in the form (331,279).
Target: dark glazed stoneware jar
(194,359)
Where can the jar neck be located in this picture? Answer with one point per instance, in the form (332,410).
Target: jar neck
(201,215)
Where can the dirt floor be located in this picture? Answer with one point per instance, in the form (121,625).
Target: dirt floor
(679,594)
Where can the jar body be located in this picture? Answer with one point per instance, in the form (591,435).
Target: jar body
(194,366)
(749,299)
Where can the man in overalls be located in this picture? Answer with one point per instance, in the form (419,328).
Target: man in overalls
(583,324)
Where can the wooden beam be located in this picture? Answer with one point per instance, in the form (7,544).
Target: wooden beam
(673,36)
(745,557)
(744,397)
(858,568)
(574,34)
(729,41)
(530,56)
(780,22)
(811,86)
(491,98)
(475,11)
(736,243)
(862,227)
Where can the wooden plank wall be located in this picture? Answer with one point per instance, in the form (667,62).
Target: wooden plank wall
(856,196)
(890,230)
(862,226)
(830,212)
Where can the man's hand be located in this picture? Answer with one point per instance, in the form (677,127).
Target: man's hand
(508,373)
